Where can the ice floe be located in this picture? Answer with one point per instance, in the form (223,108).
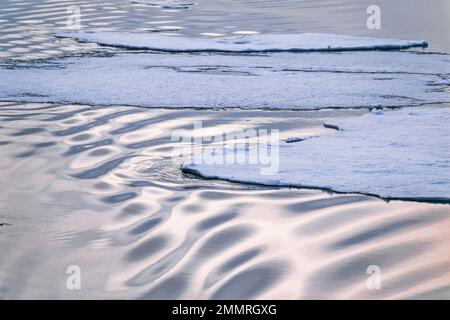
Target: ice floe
(403,154)
(275,81)
(245,43)
(166,4)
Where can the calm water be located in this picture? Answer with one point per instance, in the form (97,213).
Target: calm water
(27,25)
(95,186)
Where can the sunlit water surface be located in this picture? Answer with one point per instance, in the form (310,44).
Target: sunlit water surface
(96,187)
(27,26)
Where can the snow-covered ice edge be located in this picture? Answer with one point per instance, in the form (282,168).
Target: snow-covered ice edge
(304,42)
(402,154)
(166,4)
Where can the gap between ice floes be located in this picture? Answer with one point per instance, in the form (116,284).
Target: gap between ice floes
(305,42)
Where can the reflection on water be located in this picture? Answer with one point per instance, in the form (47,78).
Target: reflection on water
(95,187)
(27,27)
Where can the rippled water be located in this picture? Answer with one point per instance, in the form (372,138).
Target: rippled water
(96,187)
(27,25)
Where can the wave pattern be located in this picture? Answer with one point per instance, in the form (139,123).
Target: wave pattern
(95,187)
(28,26)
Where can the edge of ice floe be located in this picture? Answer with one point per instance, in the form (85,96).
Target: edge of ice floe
(189,169)
(215,45)
(166,4)
(437,155)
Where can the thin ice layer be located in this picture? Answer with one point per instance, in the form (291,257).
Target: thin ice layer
(276,81)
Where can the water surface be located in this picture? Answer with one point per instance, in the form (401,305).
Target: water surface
(96,187)
(27,26)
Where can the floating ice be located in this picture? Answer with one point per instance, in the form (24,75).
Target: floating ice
(166,4)
(246,43)
(402,154)
(275,81)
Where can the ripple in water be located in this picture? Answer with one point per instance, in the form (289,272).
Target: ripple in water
(139,228)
